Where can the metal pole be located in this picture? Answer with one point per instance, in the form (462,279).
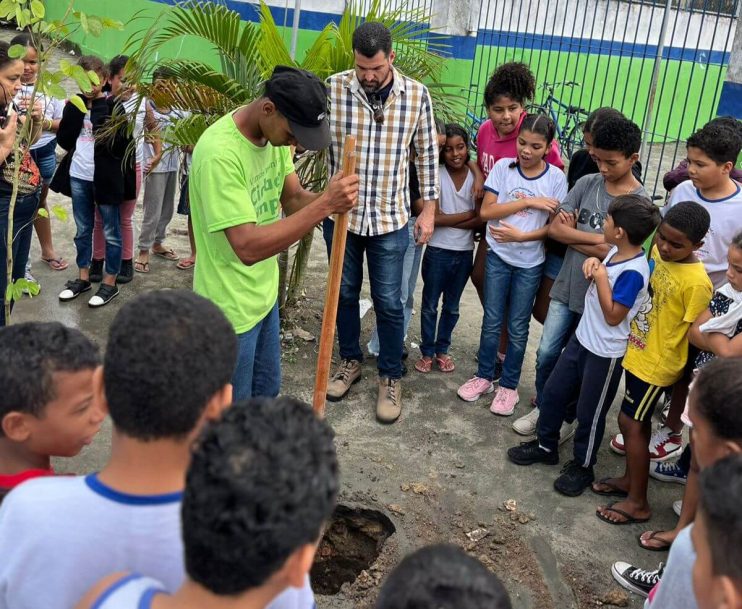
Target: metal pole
(295,27)
(656,71)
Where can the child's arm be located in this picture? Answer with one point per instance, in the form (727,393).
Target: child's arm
(491,210)
(507,233)
(477,190)
(717,343)
(442,219)
(613,311)
(563,229)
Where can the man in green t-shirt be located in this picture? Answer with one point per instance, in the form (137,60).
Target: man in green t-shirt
(241,178)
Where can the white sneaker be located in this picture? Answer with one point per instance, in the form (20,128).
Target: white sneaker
(567,431)
(526,425)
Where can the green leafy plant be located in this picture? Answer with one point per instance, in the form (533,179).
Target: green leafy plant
(47,36)
(245,54)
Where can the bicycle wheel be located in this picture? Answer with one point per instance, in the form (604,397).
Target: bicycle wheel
(573,141)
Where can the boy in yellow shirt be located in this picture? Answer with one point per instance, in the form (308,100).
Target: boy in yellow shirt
(657,353)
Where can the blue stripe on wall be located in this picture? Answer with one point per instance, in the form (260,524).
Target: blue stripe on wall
(730,101)
(464,47)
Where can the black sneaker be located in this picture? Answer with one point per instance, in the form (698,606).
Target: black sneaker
(574,479)
(639,581)
(104,295)
(529,453)
(73,288)
(126,274)
(96,271)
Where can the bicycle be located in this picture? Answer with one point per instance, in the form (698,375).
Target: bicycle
(569,136)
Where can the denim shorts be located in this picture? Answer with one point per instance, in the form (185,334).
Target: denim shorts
(46,160)
(552,265)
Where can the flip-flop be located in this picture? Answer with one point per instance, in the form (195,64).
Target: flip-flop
(167,254)
(186,264)
(445,363)
(424,365)
(614,492)
(629,518)
(144,266)
(653,535)
(56,264)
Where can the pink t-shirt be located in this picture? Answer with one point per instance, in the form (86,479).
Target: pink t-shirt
(491,148)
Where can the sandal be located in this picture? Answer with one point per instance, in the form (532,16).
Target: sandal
(186,264)
(56,264)
(612,492)
(424,364)
(445,363)
(629,519)
(653,536)
(167,254)
(141,267)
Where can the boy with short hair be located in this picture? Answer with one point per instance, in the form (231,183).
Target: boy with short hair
(262,483)
(717,536)
(657,351)
(46,399)
(615,148)
(167,370)
(589,370)
(442,576)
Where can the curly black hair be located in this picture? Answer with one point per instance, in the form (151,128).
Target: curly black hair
(452,130)
(371,37)
(445,577)
(690,218)
(262,482)
(598,115)
(719,141)
(617,133)
(514,80)
(168,353)
(31,353)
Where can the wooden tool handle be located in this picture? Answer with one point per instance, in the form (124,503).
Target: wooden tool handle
(335,275)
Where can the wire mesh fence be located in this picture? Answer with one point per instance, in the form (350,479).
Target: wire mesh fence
(661,62)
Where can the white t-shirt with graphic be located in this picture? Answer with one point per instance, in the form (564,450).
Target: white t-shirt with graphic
(726,222)
(454,201)
(82,166)
(628,280)
(170,153)
(136,106)
(510,184)
(51,107)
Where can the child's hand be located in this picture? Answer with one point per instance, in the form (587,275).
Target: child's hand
(566,218)
(543,203)
(506,233)
(590,267)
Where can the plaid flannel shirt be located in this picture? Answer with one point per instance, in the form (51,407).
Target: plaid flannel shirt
(383,150)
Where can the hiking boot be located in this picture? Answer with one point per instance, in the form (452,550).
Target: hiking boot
(528,453)
(474,389)
(73,288)
(668,472)
(526,425)
(504,402)
(665,443)
(347,374)
(126,274)
(574,479)
(105,294)
(634,579)
(96,271)
(389,402)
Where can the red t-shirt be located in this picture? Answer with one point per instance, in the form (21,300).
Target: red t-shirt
(9,482)
(491,147)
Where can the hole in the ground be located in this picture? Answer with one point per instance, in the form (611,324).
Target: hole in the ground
(351,543)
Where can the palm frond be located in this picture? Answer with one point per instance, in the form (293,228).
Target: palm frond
(273,51)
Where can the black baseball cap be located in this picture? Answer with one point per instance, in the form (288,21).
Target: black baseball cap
(302,98)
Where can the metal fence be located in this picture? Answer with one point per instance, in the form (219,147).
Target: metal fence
(661,62)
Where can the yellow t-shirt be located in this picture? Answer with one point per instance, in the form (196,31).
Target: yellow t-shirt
(658,343)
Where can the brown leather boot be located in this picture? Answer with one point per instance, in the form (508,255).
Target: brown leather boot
(389,402)
(347,374)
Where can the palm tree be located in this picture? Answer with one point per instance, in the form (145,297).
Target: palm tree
(246,54)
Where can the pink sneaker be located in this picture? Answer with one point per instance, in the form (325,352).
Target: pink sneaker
(474,389)
(504,402)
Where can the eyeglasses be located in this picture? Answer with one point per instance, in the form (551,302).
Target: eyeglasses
(378,109)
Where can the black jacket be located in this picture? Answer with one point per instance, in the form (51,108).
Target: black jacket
(114,177)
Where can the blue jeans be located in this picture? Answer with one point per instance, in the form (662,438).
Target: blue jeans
(445,273)
(513,290)
(385,256)
(559,325)
(46,160)
(23,215)
(410,271)
(83,209)
(258,370)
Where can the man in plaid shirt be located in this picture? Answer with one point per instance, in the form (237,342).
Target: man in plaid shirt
(388,114)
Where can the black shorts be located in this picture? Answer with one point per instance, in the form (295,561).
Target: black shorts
(640,398)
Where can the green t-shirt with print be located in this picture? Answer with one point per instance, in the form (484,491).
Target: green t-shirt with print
(232,181)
